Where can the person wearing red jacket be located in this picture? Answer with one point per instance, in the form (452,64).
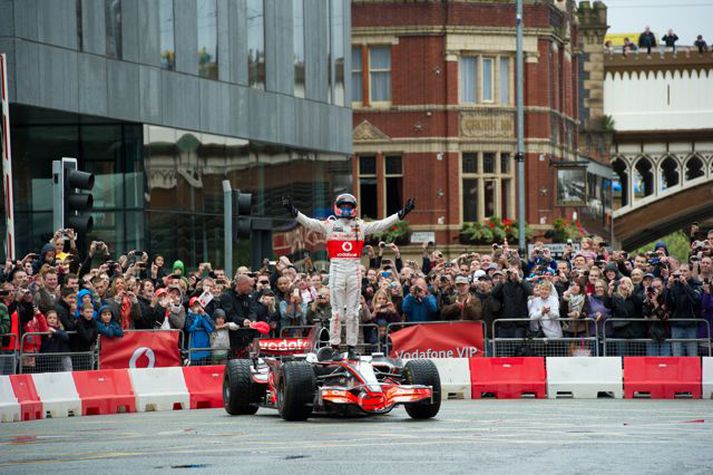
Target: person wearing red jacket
(33,343)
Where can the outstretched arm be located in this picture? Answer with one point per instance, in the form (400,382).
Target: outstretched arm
(309,223)
(383,224)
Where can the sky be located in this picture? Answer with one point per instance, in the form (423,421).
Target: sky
(688,18)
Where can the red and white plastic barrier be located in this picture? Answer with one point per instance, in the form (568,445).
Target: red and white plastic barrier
(34,396)
(160,389)
(584,377)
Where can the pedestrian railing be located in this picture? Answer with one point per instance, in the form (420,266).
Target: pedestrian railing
(368,338)
(206,356)
(34,361)
(649,337)
(9,357)
(523,337)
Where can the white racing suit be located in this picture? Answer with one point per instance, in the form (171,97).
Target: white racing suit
(345,242)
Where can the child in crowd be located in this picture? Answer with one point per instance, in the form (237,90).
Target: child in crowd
(220,338)
(106,325)
(86,329)
(199,325)
(56,342)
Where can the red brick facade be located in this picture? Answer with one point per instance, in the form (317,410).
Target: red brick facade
(431,128)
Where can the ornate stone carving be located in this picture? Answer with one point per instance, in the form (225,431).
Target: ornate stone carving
(366,131)
(487,124)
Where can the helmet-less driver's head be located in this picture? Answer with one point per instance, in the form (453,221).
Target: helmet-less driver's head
(345,206)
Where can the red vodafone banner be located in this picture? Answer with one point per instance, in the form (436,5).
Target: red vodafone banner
(140,350)
(438,340)
(274,346)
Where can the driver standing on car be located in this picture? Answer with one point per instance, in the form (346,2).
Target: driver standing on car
(345,234)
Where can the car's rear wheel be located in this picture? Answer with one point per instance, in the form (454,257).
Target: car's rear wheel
(240,392)
(296,390)
(423,372)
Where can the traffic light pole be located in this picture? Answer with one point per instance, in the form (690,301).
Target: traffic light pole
(228,228)
(520,156)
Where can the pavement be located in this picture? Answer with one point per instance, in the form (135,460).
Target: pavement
(491,436)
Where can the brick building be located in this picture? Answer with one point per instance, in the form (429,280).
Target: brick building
(433,96)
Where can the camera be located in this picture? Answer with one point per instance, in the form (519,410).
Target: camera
(417,289)
(382,244)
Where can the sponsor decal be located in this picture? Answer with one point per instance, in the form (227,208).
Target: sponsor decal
(438,340)
(140,350)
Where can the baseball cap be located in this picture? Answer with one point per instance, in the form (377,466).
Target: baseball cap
(160,292)
(461,279)
(492,265)
(498,272)
(478,274)
(649,275)
(193,301)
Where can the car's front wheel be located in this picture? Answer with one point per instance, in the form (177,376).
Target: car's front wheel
(296,391)
(423,372)
(239,390)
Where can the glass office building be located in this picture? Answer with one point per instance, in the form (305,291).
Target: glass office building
(162,100)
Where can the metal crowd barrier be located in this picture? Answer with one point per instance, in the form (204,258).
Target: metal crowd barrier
(8,358)
(632,337)
(215,356)
(369,341)
(393,327)
(530,344)
(37,362)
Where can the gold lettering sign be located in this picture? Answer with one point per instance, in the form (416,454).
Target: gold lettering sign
(487,125)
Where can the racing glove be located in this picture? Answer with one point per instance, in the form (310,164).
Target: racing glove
(410,205)
(289,206)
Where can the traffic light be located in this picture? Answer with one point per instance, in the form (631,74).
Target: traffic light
(242,222)
(71,205)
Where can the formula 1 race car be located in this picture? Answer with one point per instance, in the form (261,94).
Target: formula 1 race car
(298,378)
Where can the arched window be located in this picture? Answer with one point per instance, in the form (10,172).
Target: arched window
(621,185)
(669,174)
(694,168)
(643,178)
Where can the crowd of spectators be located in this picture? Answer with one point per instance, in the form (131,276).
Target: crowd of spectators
(73,297)
(647,42)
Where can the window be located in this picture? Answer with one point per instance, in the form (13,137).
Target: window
(298,46)
(487,185)
(337,49)
(165,23)
(256,44)
(112,18)
(488,79)
(368,187)
(468,79)
(380,73)
(470,199)
(356,74)
(470,163)
(207,13)
(394,184)
(489,194)
(505,163)
(484,79)
(488,162)
(504,74)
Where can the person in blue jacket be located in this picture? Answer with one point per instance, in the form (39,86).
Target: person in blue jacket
(199,325)
(419,305)
(107,326)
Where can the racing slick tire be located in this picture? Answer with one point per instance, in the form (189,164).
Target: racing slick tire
(239,391)
(423,372)
(296,391)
